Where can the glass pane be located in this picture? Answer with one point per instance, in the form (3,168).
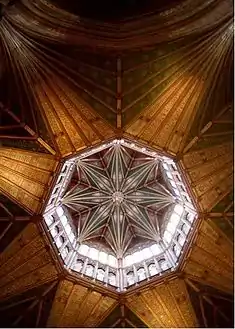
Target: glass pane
(179,209)
(146,253)
(100,274)
(156,249)
(190,217)
(185,228)
(78,266)
(71,237)
(169,175)
(54,231)
(173,183)
(165,166)
(94,253)
(171,226)
(152,269)
(137,256)
(167,236)
(129,260)
(83,249)
(112,279)
(49,220)
(68,229)
(64,253)
(176,191)
(64,220)
(141,274)
(89,270)
(130,278)
(181,239)
(175,218)
(103,257)
(176,250)
(59,241)
(112,261)
(59,211)
(163,264)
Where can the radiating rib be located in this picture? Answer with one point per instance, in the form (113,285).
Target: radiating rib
(118,196)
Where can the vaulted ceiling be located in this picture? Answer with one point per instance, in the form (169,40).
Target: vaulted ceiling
(68,82)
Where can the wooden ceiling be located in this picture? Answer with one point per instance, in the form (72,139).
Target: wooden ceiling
(67,83)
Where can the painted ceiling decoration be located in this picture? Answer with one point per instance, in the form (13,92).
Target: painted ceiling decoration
(126,180)
(119,186)
(120,213)
(71,82)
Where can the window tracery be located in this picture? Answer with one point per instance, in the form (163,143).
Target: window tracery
(78,266)
(100,274)
(112,279)
(130,278)
(153,269)
(163,263)
(141,274)
(137,169)
(89,270)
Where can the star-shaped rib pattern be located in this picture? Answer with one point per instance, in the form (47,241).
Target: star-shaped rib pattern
(118,195)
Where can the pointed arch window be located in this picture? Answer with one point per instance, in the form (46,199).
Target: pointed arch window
(141,274)
(78,266)
(176,250)
(163,264)
(49,220)
(59,241)
(55,230)
(181,239)
(89,270)
(130,278)
(65,252)
(185,228)
(153,269)
(112,279)
(100,274)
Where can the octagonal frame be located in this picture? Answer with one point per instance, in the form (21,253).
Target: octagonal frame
(119,276)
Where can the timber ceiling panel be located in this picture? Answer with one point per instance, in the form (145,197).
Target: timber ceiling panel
(213,308)
(92,76)
(13,220)
(25,176)
(74,126)
(30,309)
(175,85)
(122,317)
(78,306)
(25,263)
(16,133)
(223,215)
(165,305)
(210,172)
(210,260)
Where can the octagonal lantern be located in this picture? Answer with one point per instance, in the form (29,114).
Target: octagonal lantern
(120,213)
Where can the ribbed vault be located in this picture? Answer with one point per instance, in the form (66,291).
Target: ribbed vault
(68,83)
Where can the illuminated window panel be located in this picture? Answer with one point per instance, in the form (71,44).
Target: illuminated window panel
(119,207)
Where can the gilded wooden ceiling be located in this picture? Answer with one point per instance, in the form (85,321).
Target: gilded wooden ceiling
(68,83)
